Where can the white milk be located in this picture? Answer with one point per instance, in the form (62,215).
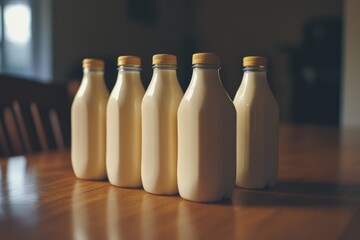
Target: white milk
(257,128)
(207,135)
(159,127)
(123,128)
(88,123)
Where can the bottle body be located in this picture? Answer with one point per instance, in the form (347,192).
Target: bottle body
(88,126)
(159,132)
(207,134)
(123,131)
(257,131)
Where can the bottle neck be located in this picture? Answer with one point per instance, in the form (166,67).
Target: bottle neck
(93,83)
(255,76)
(206,66)
(129,69)
(129,73)
(161,67)
(93,77)
(206,73)
(93,72)
(255,69)
(164,72)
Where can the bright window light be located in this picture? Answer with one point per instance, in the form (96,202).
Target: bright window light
(17,21)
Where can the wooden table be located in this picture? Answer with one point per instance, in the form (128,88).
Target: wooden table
(317,197)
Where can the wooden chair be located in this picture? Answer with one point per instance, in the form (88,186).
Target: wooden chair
(33,116)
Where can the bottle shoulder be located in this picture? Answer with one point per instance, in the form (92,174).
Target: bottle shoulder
(207,101)
(88,105)
(89,97)
(256,108)
(255,100)
(201,91)
(127,89)
(159,90)
(251,93)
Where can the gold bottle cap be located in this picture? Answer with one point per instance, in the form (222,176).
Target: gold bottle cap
(129,61)
(254,61)
(164,59)
(205,58)
(93,63)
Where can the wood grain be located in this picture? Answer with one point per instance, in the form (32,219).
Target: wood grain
(317,197)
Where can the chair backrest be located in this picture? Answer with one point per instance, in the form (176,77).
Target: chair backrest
(33,116)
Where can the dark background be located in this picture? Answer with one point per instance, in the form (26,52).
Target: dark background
(301,39)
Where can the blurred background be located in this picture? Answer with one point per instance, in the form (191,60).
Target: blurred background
(312,45)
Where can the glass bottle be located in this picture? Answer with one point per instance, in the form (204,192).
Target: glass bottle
(207,134)
(257,127)
(88,123)
(159,127)
(123,128)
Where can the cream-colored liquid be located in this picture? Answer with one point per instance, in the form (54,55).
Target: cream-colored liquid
(257,132)
(207,135)
(159,133)
(88,127)
(123,130)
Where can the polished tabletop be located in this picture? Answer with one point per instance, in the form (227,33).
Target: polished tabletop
(317,197)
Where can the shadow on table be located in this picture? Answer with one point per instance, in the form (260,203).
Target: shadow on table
(290,193)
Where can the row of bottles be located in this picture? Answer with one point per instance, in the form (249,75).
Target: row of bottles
(199,144)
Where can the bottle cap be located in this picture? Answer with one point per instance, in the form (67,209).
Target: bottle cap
(164,59)
(205,58)
(93,63)
(129,61)
(254,61)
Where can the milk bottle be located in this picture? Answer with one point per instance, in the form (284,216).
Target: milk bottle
(257,127)
(207,135)
(88,123)
(159,127)
(123,128)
